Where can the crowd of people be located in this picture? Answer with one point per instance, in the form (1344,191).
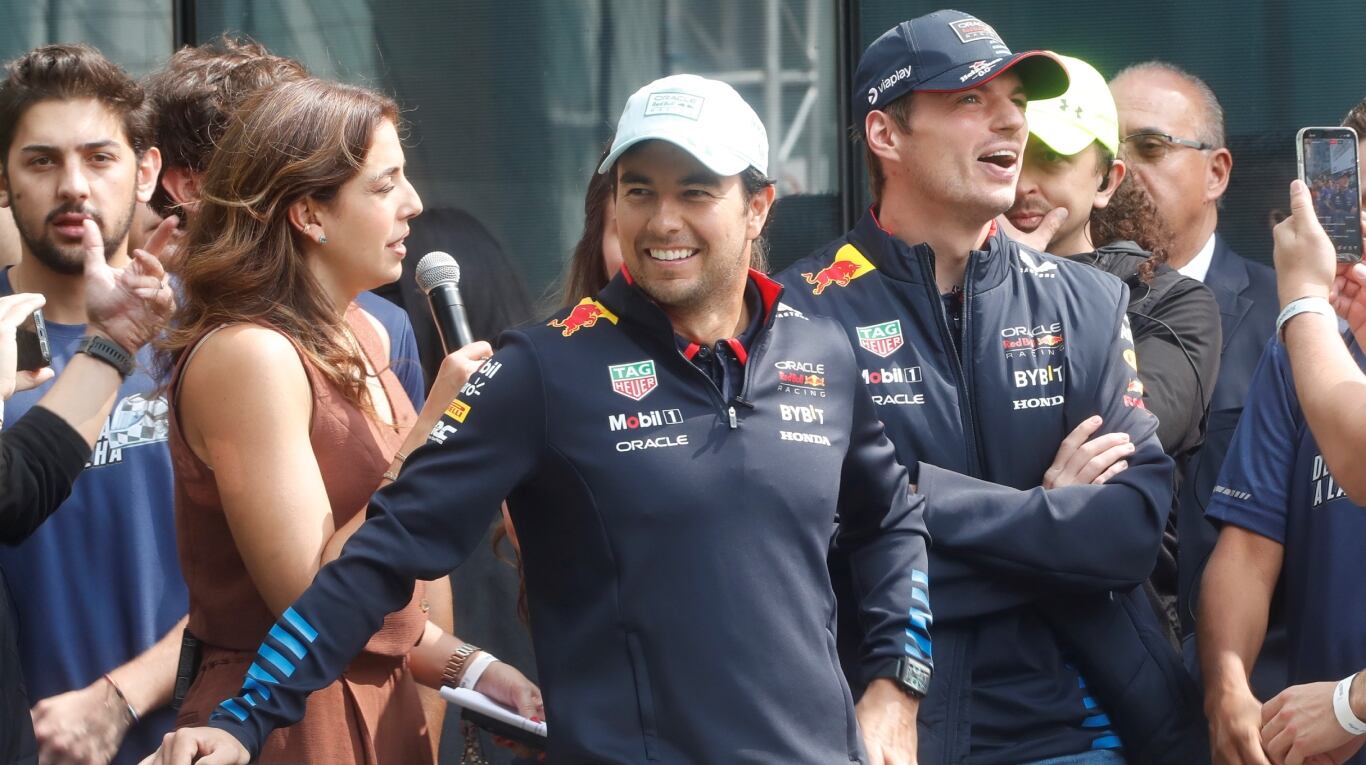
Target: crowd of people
(1032,385)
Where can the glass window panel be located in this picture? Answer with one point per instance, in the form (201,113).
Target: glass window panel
(1275,67)
(136,34)
(509,105)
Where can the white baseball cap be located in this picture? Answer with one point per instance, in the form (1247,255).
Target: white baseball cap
(705,118)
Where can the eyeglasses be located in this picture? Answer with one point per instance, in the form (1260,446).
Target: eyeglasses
(1153,147)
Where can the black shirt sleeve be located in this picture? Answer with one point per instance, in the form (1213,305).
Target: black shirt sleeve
(1178,341)
(40,457)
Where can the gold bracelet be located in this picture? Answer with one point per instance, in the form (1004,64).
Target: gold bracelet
(455,666)
(400,457)
(390,475)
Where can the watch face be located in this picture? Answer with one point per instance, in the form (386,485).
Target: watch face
(914,677)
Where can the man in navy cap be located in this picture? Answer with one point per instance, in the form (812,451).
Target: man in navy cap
(1007,380)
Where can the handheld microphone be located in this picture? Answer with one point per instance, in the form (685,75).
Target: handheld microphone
(438,276)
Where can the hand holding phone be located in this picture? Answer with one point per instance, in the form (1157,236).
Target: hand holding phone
(496,718)
(24,353)
(1328,166)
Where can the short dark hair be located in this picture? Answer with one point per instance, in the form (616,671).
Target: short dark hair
(193,95)
(900,112)
(67,72)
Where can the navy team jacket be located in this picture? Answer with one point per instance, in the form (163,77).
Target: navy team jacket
(1045,346)
(674,542)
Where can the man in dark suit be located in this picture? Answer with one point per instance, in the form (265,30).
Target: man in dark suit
(1172,128)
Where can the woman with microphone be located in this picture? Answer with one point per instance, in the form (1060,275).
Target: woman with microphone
(286,418)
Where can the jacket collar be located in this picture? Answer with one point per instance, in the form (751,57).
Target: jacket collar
(625,299)
(898,260)
(1227,270)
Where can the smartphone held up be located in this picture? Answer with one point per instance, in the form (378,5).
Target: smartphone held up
(31,340)
(1328,165)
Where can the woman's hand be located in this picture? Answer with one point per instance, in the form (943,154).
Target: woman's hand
(455,370)
(504,684)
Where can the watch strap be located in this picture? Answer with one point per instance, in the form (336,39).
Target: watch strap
(109,352)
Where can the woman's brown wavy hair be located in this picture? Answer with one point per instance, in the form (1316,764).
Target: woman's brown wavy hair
(1132,215)
(244,261)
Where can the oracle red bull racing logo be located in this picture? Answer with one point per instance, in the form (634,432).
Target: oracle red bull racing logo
(1043,339)
(634,380)
(849,264)
(802,378)
(585,314)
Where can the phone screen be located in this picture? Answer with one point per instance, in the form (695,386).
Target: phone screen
(1329,169)
(30,337)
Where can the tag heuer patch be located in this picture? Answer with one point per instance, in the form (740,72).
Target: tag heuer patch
(634,380)
(882,339)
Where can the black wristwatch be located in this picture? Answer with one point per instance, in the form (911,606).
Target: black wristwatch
(913,677)
(109,352)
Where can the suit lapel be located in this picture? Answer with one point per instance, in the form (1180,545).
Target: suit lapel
(1228,279)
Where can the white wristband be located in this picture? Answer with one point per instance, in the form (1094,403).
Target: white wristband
(1303,305)
(476,670)
(1342,707)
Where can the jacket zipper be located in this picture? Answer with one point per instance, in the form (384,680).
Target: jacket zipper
(727,409)
(724,409)
(965,411)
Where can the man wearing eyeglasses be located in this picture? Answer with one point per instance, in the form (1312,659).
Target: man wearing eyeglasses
(1172,140)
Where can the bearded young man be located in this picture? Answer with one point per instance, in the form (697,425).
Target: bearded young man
(75,139)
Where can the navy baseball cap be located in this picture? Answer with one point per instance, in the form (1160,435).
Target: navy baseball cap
(945,52)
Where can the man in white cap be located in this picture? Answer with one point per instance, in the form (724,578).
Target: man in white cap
(675,452)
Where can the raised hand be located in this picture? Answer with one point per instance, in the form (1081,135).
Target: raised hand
(1306,261)
(129,305)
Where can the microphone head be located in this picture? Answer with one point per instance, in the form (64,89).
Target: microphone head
(437,268)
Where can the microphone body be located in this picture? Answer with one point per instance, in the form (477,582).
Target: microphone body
(438,276)
(448,310)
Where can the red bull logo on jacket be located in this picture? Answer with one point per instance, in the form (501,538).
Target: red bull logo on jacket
(848,265)
(634,380)
(585,314)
